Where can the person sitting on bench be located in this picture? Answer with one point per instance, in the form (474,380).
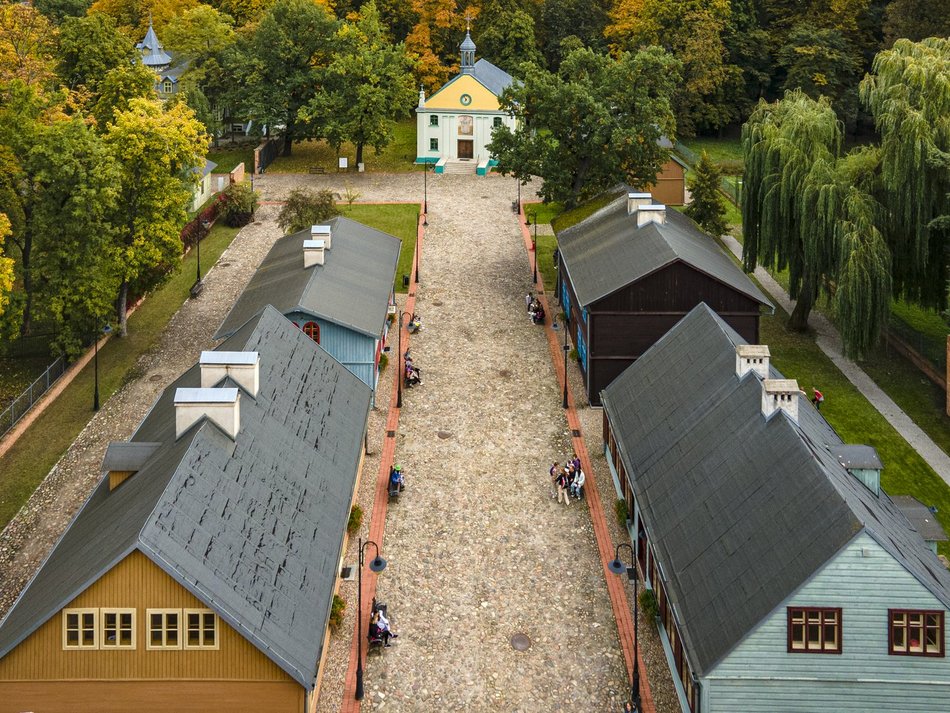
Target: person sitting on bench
(413,375)
(577,484)
(379,626)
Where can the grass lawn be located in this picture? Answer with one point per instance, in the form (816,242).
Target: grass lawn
(398,157)
(853,417)
(727,153)
(228,158)
(546,269)
(396,219)
(26,464)
(17,373)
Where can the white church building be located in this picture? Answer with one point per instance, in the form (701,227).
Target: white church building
(455,124)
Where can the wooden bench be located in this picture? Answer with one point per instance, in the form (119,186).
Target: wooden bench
(318,169)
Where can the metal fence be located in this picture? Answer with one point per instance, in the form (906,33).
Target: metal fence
(265,153)
(930,348)
(24,402)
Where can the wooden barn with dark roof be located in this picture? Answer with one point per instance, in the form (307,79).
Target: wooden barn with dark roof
(631,271)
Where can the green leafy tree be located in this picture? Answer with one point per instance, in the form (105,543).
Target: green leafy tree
(72,180)
(157,152)
(822,62)
(594,123)
(908,95)
(304,208)
(366,87)
(807,208)
(506,35)
(916,20)
(89,48)
(119,89)
(559,20)
(59,10)
(706,207)
(281,64)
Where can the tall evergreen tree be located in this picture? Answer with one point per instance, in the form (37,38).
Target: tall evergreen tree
(706,207)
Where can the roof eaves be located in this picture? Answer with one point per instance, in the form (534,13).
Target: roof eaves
(941,595)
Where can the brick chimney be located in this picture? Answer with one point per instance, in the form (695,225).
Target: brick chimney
(635,200)
(313,252)
(321,232)
(780,395)
(243,367)
(752,357)
(223,406)
(647,214)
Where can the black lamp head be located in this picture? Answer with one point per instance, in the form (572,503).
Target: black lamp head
(616,566)
(378,564)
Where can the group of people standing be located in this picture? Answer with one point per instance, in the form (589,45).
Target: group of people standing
(568,480)
(535,308)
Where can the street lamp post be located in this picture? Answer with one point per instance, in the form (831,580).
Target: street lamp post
(377,565)
(95,340)
(534,277)
(618,567)
(567,323)
(399,375)
(518,207)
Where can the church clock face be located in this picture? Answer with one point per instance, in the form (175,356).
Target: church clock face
(466,99)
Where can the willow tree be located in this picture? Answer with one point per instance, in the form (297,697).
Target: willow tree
(908,93)
(811,210)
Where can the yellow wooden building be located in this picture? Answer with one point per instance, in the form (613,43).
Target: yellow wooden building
(455,124)
(200,573)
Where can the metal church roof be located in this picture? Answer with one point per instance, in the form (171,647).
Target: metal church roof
(252,527)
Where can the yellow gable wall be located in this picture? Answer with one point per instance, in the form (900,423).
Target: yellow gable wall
(449,96)
(136,582)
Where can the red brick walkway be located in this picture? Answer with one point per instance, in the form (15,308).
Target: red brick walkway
(381,498)
(616,586)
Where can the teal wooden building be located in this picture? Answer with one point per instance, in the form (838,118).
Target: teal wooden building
(786,577)
(335,283)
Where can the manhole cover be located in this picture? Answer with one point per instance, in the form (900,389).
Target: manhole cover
(436,303)
(520,642)
(155,378)
(444,434)
(504,374)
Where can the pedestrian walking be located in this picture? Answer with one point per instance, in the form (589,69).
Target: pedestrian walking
(818,398)
(554,472)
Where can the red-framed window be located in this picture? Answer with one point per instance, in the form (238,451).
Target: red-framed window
(814,630)
(914,632)
(312,330)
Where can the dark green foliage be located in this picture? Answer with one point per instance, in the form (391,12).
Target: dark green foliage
(594,123)
(506,35)
(916,20)
(620,508)
(59,10)
(240,202)
(706,207)
(305,208)
(648,603)
(89,48)
(583,20)
(337,612)
(356,519)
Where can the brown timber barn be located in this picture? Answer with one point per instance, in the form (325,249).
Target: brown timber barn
(631,271)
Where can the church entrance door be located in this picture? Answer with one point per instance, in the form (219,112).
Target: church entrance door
(466,148)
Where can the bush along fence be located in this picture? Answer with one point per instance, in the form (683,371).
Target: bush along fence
(24,402)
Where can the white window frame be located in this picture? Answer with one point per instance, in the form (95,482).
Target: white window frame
(95,629)
(200,613)
(148,629)
(167,86)
(103,639)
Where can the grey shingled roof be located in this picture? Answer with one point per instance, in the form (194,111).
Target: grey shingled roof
(607,252)
(153,54)
(920,516)
(352,288)
(742,510)
(252,527)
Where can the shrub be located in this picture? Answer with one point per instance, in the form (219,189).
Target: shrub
(706,207)
(356,519)
(305,208)
(648,603)
(622,513)
(240,202)
(337,610)
(572,354)
(383,361)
